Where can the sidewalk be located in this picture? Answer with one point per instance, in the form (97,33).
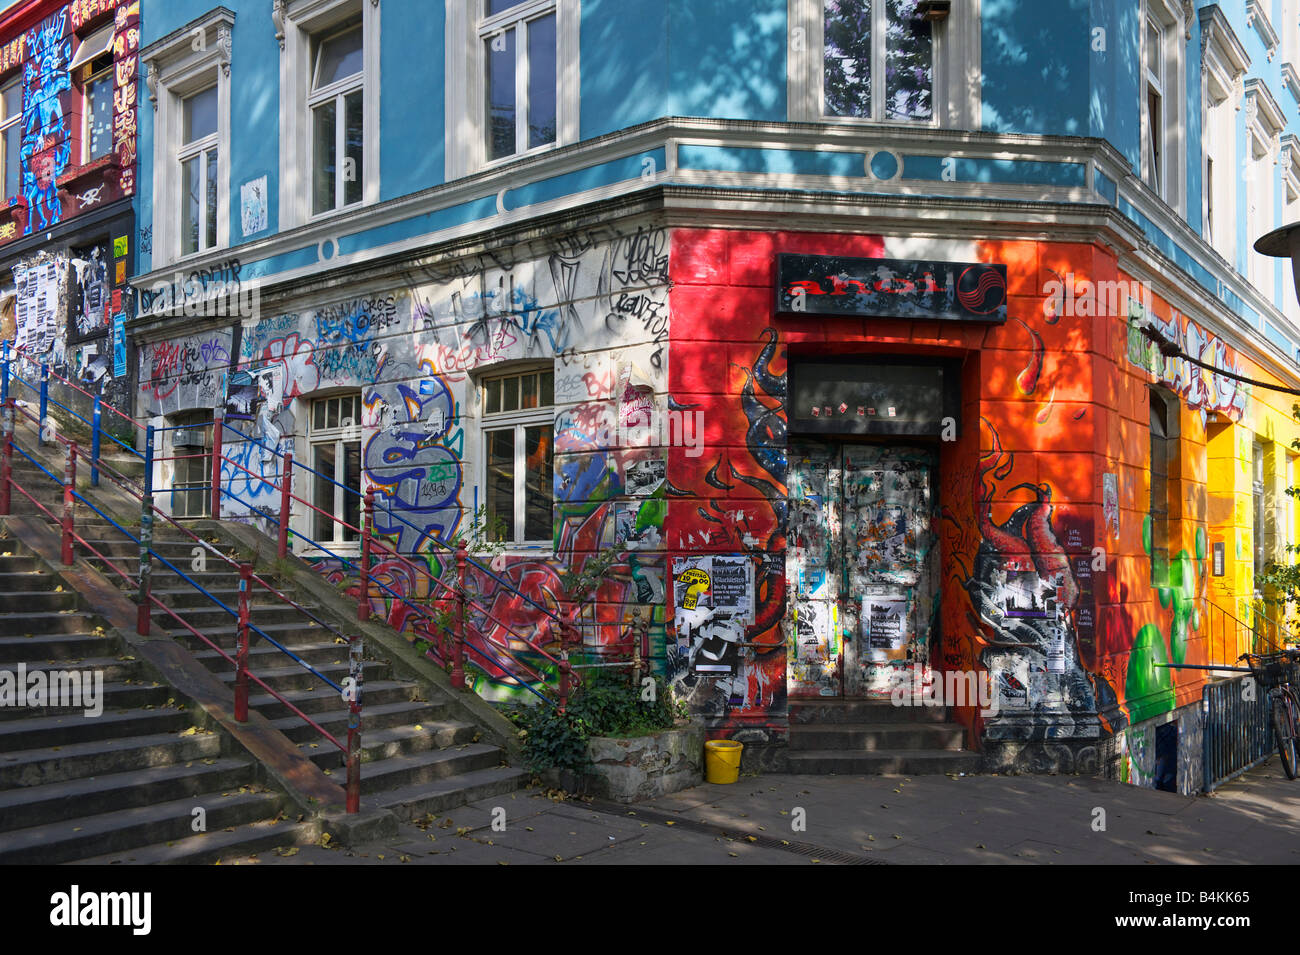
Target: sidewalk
(860,820)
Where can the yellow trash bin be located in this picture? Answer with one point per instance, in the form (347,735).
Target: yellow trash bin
(722,760)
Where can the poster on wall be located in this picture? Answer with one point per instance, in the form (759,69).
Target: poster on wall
(713,602)
(884,621)
(37,287)
(119,345)
(91,296)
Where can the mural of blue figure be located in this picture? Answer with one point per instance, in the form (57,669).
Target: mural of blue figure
(45,147)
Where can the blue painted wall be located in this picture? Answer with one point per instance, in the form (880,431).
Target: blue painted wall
(1036,66)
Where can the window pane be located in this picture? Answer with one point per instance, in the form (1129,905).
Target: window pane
(211,221)
(338,58)
(99,115)
(11,148)
(351,477)
(353,134)
(909,77)
(510,394)
(492,388)
(191,182)
(200,115)
(1153,50)
(497,6)
(848,57)
(548,388)
(332,413)
(529,397)
(323,490)
(501,483)
(541,81)
(538,482)
(318,415)
(323,155)
(13,99)
(500,51)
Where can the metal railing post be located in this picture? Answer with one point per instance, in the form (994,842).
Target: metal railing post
(69,488)
(458,629)
(218,426)
(363,598)
(241,654)
(96,420)
(7,454)
(356,670)
(566,670)
(286,503)
(45,403)
(145,607)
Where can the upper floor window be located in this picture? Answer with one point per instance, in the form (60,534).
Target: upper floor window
(11,132)
(337,104)
(197,157)
(883,61)
(1264,124)
(511,79)
(1223,63)
(92,68)
(519,47)
(879,60)
(1163,113)
(518,444)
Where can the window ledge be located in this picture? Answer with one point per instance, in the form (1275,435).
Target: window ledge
(104,164)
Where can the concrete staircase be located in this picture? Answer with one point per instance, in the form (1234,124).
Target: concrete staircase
(874,737)
(124,784)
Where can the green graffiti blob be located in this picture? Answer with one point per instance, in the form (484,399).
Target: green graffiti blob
(1149,687)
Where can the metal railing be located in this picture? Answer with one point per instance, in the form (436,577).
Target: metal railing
(147,601)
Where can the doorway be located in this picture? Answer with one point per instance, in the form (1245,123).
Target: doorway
(862,574)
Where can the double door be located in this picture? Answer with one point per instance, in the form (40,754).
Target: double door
(861,567)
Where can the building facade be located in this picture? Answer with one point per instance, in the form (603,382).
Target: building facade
(825,318)
(68,85)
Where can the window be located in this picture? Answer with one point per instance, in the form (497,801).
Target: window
(1264,123)
(11,132)
(879,60)
(191,465)
(1259,523)
(884,61)
(336,463)
(188,78)
(93,67)
(337,109)
(329,112)
(518,445)
(1224,61)
(519,49)
(198,163)
(511,78)
(1162,109)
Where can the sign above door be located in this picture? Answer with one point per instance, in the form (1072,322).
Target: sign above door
(891,288)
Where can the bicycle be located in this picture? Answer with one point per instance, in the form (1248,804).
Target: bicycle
(1277,672)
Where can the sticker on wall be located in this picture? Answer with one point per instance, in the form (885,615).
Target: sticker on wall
(1110,502)
(710,619)
(252,206)
(121,245)
(119,345)
(884,622)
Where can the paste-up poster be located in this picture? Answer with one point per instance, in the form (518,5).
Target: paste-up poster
(884,622)
(713,603)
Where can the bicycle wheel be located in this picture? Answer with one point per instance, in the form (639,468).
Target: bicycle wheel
(1284,731)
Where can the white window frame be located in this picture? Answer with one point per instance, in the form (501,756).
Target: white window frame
(176,69)
(518,422)
(1169,182)
(297,23)
(465,81)
(956,50)
(1289,163)
(198,149)
(1223,65)
(339,436)
(5,123)
(1264,124)
(336,93)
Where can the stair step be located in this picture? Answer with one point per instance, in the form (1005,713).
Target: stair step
(69,729)
(398,771)
(36,767)
(862,711)
(908,762)
(209,847)
(413,801)
(375,717)
(125,829)
(55,646)
(117,697)
(382,744)
(74,621)
(36,805)
(321,698)
(876,736)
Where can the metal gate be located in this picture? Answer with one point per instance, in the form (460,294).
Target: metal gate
(1237,733)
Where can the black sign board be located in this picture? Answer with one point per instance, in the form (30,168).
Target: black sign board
(891,288)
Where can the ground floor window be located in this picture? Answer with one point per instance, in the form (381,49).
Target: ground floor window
(335,437)
(191,453)
(518,444)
